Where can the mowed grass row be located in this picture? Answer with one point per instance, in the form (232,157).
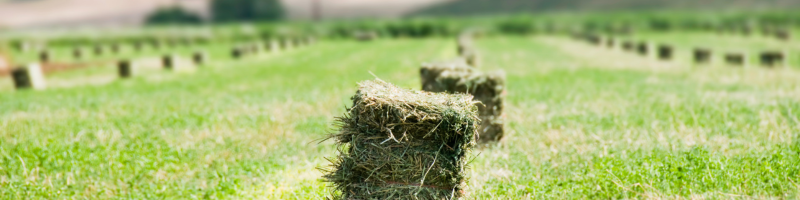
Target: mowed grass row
(582,122)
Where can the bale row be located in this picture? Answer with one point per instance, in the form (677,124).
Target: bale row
(665,52)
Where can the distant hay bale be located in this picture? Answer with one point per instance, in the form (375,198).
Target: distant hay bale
(115,48)
(199,58)
(44,56)
(431,71)
(735,58)
(402,144)
(643,48)
(21,46)
(77,53)
(594,39)
(702,55)
(30,76)
(274,46)
(487,88)
(237,53)
(665,52)
(611,42)
(98,50)
(628,46)
(773,58)
(168,62)
(783,34)
(365,36)
(137,46)
(126,68)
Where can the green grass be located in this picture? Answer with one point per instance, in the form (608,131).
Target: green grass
(581,124)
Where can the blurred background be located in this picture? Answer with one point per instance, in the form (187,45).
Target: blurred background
(15,14)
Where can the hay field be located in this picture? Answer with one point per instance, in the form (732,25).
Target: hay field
(583,122)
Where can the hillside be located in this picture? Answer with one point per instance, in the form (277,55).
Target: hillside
(470,7)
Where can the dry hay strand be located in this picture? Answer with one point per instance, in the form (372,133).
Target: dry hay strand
(431,71)
(487,88)
(402,144)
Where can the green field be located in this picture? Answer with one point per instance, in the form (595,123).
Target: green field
(583,122)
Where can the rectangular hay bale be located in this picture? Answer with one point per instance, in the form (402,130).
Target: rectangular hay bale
(487,88)
(29,77)
(402,144)
(431,71)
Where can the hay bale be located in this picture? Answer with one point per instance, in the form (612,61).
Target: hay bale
(237,53)
(783,34)
(627,46)
(735,58)
(126,69)
(365,36)
(77,53)
(702,55)
(98,50)
(21,46)
(168,62)
(773,58)
(44,56)
(664,52)
(199,58)
(115,48)
(402,144)
(431,71)
(274,46)
(29,77)
(643,48)
(487,88)
(611,42)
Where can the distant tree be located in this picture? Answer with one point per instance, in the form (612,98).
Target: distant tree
(173,15)
(246,10)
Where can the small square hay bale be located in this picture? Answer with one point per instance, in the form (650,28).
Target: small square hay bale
(126,68)
(487,88)
(274,46)
(665,52)
(168,61)
(365,36)
(643,48)
(402,144)
(115,48)
(44,56)
(627,46)
(611,42)
(735,58)
(237,52)
(702,55)
(773,58)
(29,77)
(199,58)
(98,50)
(77,53)
(783,34)
(431,71)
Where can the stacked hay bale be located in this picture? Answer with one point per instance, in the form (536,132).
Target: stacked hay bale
(403,144)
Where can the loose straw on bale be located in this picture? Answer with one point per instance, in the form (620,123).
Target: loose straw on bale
(402,144)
